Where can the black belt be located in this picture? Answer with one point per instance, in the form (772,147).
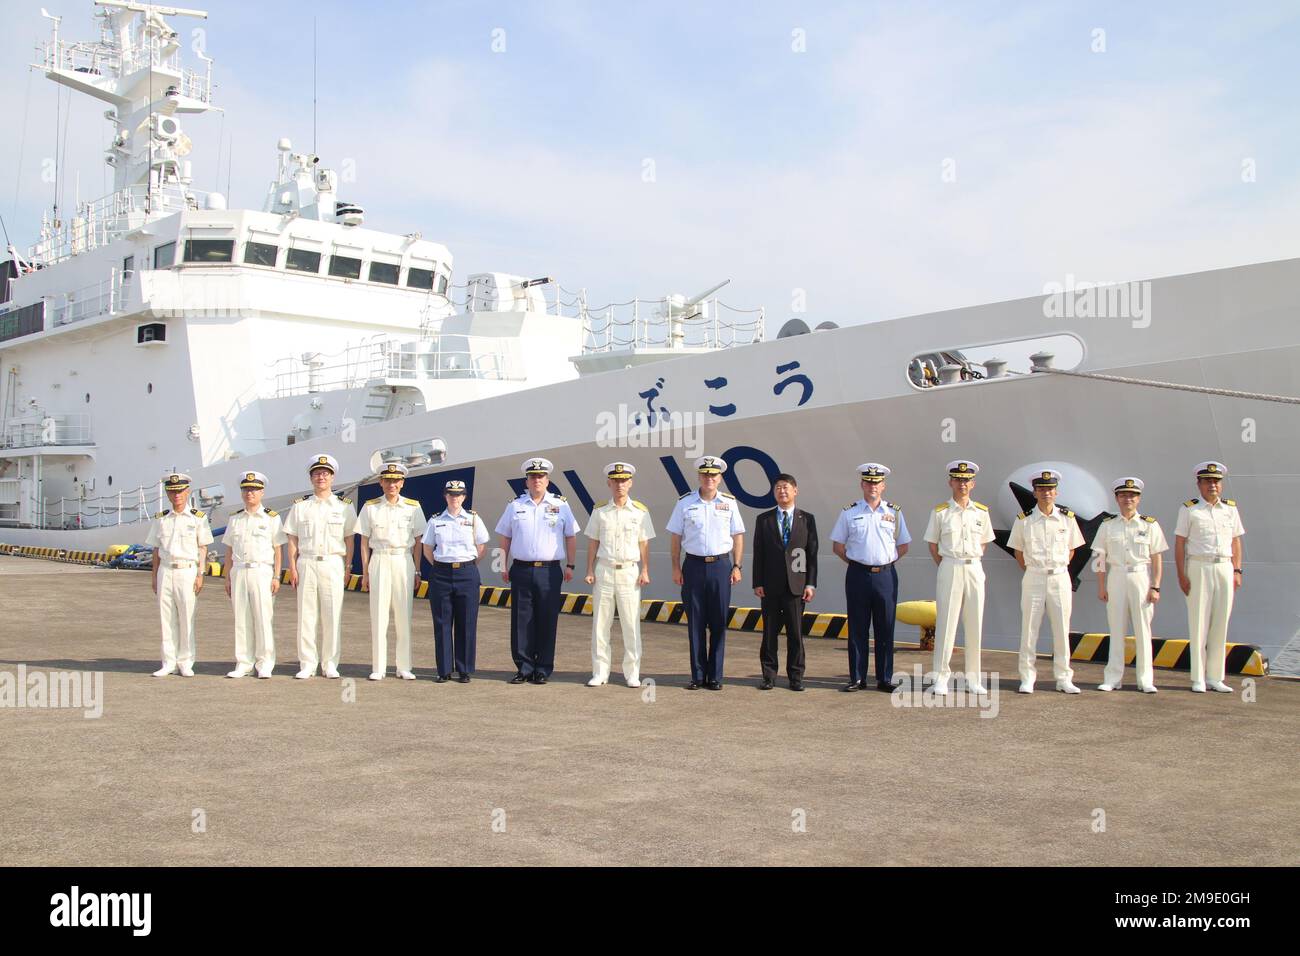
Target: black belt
(451,564)
(874,569)
(708,558)
(536,564)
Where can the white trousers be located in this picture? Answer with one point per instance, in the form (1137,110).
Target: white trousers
(176,605)
(320,598)
(616,588)
(1045,595)
(254,613)
(392,590)
(1209,605)
(1126,601)
(959,592)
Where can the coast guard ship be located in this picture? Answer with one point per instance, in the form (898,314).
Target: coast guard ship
(158,329)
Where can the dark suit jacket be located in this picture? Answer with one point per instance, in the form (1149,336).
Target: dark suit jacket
(773,561)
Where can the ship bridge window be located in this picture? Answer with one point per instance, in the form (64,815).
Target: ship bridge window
(260,253)
(1001,360)
(209,250)
(442,284)
(419,278)
(302,260)
(345,267)
(164,256)
(385,272)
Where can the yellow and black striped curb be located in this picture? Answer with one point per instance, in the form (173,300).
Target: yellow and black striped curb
(54,554)
(1171,653)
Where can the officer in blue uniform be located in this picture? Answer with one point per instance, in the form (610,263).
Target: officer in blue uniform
(538,533)
(870,536)
(453,542)
(708,525)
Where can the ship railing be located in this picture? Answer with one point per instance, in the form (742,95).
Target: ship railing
(98,222)
(80,56)
(38,430)
(104,511)
(662,323)
(99,298)
(432,359)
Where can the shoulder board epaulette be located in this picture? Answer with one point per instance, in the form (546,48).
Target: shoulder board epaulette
(161,514)
(1149,518)
(470,511)
(196,512)
(410,501)
(601,504)
(847,507)
(306,497)
(637,504)
(942,507)
(1065,511)
(980,506)
(272,513)
(1023,514)
(1191,501)
(1229,501)
(687,495)
(342,498)
(728,495)
(559,497)
(240,512)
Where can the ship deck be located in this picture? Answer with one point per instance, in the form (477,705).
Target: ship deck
(287,772)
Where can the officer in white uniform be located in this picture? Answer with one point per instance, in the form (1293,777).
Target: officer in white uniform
(180,539)
(870,536)
(1044,539)
(320,527)
(1129,550)
(618,564)
(707,524)
(453,542)
(390,527)
(538,531)
(1207,550)
(958,532)
(253,538)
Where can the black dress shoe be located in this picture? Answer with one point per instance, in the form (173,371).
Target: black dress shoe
(766,685)
(463,679)
(519,679)
(882,686)
(539,677)
(693,685)
(440,679)
(713,685)
(862,684)
(796,685)
(850,687)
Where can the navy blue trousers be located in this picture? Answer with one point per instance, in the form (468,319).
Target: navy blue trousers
(453,598)
(873,601)
(535,598)
(706,593)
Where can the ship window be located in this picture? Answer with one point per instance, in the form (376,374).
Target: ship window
(385,272)
(128,266)
(164,256)
(87,398)
(149,389)
(110,481)
(442,285)
(419,278)
(153,332)
(260,253)
(345,266)
(302,260)
(209,250)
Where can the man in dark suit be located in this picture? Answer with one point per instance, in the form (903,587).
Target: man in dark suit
(785,577)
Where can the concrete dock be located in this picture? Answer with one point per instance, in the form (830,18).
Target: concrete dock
(209,770)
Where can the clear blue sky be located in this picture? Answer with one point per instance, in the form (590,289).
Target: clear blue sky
(820,170)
